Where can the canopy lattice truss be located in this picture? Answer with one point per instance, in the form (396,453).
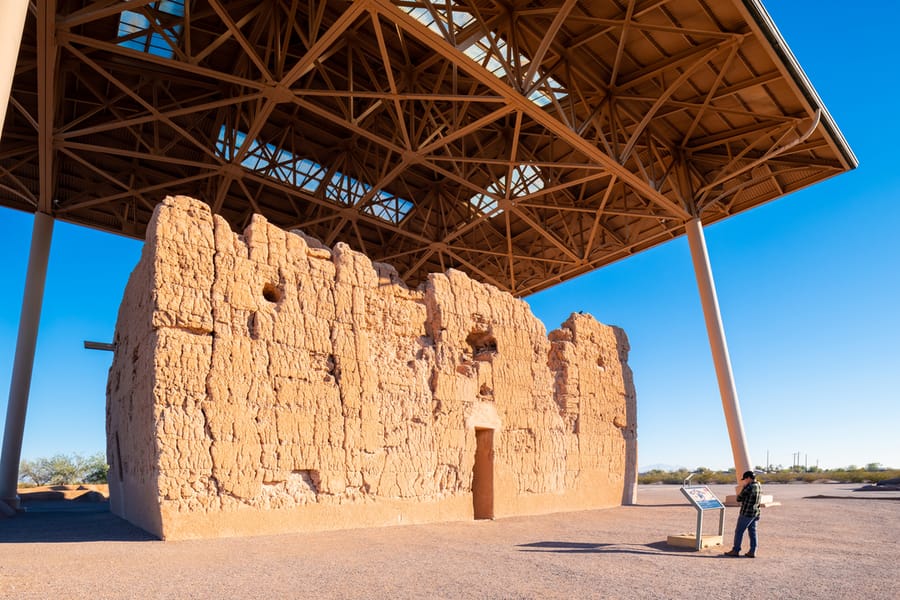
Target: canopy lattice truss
(523,142)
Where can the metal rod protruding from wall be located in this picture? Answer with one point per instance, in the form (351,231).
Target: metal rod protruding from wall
(89,345)
(718,346)
(20,383)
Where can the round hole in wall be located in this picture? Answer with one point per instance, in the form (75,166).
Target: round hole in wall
(271,293)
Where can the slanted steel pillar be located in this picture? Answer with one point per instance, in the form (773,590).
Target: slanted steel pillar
(11,25)
(20,384)
(716,333)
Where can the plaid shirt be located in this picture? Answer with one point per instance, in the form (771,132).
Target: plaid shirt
(749,499)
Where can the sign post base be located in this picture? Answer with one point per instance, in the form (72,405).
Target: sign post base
(689,540)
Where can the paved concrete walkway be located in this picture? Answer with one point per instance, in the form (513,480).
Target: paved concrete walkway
(843,545)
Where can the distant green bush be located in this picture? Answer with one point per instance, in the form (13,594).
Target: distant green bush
(707,477)
(64,469)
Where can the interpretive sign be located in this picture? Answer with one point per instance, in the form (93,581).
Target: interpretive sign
(701,497)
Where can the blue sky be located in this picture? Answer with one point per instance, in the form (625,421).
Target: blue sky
(809,288)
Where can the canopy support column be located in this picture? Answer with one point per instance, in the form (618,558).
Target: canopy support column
(20,384)
(718,346)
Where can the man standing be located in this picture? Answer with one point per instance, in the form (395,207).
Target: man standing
(749,494)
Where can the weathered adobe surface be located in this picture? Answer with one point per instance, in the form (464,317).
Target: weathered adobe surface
(265,383)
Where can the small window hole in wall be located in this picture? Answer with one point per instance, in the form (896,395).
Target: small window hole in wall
(271,293)
(483,345)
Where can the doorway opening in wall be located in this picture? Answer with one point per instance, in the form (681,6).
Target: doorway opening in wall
(483,474)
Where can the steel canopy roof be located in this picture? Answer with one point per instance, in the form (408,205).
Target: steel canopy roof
(523,142)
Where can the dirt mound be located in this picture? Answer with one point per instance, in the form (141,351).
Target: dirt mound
(90,496)
(80,493)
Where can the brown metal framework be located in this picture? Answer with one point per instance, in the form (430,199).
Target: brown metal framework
(524,142)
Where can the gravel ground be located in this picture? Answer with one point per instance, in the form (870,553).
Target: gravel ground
(823,541)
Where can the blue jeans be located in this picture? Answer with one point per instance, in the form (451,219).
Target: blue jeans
(748,524)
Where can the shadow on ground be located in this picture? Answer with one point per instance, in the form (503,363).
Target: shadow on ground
(824,497)
(655,548)
(66,521)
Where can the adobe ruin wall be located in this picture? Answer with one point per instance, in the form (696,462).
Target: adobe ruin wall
(264,383)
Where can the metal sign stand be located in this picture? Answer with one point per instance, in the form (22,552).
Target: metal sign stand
(702,499)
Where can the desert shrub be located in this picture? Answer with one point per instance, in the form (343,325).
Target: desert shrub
(64,469)
(659,476)
(705,476)
(36,472)
(95,468)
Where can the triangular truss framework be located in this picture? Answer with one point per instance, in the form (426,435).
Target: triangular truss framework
(522,142)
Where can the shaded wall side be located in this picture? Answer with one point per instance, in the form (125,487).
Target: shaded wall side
(131,450)
(630,476)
